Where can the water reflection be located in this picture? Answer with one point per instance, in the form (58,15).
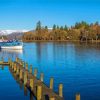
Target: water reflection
(76,65)
(12,51)
(2,67)
(25,91)
(8,53)
(31,96)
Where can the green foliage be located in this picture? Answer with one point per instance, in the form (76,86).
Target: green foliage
(54,27)
(66,28)
(96,23)
(81,25)
(61,28)
(38,26)
(46,27)
(57,27)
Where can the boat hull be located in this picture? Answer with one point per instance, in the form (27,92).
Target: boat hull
(12,47)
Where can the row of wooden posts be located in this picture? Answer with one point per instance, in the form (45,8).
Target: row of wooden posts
(39,88)
(18,67)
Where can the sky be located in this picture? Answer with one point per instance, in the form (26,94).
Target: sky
(24,14)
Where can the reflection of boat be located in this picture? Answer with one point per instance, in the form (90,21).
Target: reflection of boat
(14,45)
(13,51)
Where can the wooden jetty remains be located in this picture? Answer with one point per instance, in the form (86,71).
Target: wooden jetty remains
(36,86)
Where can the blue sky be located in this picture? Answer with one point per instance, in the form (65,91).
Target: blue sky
(24,14)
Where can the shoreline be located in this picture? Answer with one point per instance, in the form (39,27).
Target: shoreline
(91,41)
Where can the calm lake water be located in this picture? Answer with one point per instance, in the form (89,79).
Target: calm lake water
(75,65)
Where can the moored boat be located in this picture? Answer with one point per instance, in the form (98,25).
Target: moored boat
(12,45)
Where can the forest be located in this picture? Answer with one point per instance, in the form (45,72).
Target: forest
(81,31)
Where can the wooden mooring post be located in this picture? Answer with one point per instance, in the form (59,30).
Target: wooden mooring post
(39,92)
(51,83)
(31,84)
(26,66)
(25,77)
(35,72)
(61,90)
(21,74)
(52,98)
(31,70)
(41,77)
(78,96)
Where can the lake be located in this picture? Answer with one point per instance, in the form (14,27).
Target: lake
(76,65)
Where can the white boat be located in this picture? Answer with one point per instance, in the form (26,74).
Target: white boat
(11,45)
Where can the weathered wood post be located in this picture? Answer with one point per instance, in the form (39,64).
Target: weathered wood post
(25,77)
(26,66)
(17,70)
(31,84)
(12,64)
(52,98)
(15,67)
(51,83)
(19,61)
(21,74)
(30,69)
(61,90)
(39,92)
(16,59)
(35,72)
(23,64)
(77,96)
(42,77)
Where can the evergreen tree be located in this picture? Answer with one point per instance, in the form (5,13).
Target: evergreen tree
(96,23)
(61,28)
(38,26)
(46,27)
(54,27)
(65,28)
(57,27)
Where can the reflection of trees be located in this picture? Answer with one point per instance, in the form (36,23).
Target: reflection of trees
(2,67)
(41,51)
(38,52)
(63,52)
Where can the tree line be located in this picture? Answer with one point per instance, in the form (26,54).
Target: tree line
(81,31)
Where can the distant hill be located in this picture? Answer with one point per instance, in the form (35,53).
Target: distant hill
(15,35)
(12,34)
